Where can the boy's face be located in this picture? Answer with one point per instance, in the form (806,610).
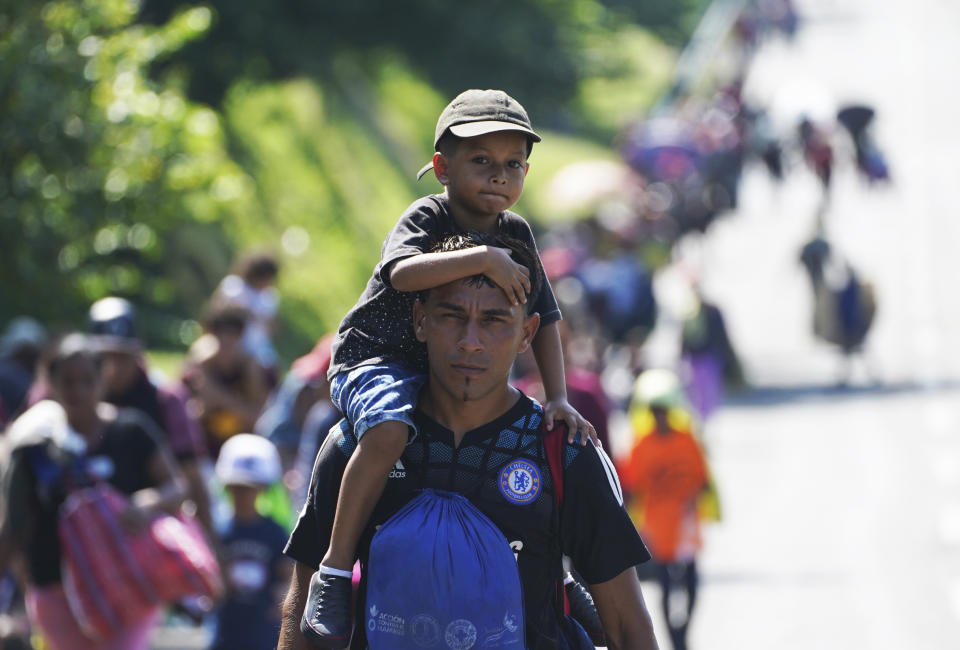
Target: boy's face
(76,386)
(484,176)
(229,337)
(118,371)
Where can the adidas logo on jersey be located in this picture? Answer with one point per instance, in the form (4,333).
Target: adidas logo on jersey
(398,471)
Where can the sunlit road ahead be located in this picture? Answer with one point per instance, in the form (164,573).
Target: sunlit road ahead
(842,507)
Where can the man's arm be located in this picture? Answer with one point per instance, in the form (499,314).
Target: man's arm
(290,636)
(623,612)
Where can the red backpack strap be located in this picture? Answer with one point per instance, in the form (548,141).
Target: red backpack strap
(553,445)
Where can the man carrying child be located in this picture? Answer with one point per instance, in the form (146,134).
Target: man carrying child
(482,141)
(473,428)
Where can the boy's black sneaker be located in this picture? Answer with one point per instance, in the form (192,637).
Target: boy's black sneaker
(327,620)
(584,611)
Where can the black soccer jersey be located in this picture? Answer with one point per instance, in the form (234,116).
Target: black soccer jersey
(502,468)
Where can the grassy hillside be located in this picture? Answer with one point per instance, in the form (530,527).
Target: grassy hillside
(331,166)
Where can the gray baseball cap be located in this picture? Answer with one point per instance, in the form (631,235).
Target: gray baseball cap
(477,112)
(111,324)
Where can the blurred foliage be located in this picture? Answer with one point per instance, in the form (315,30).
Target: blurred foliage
(143,147)
(109,183)
(671,20)
(329,187)
(549,157)
(165,365)
(534,45)
(629,67)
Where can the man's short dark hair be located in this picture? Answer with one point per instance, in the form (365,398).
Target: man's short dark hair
(68,348)
(519,253)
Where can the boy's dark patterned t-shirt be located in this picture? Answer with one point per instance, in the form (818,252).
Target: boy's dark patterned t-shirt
(379,328)
(502,468)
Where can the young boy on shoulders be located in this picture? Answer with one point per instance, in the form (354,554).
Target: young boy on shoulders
(482,142)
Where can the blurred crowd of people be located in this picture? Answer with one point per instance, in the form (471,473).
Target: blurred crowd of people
(232,437)
(221,443)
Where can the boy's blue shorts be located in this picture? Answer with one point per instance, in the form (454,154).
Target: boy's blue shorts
(369,395)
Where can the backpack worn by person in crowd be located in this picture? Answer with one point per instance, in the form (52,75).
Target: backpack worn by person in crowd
(113,578)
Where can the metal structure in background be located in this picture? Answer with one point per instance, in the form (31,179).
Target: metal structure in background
(695,59)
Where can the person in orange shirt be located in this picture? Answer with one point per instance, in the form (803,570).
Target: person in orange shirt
(665,474)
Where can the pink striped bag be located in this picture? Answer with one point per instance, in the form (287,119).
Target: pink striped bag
(112,578)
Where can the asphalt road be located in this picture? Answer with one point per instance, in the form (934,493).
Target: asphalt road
(842,514)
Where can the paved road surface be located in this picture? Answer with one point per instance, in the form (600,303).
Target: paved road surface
(842,525)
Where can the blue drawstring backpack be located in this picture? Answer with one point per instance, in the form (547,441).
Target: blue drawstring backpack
(442,575)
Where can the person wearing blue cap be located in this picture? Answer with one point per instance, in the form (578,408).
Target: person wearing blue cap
(127,383)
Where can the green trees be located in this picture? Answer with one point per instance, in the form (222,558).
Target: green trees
(534,45)
(141,147)
(105,174)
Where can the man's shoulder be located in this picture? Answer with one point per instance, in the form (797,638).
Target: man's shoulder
(519,428)
(341,437)
(573,450)
(569,451)
(129,419)
(170,394)
(525,417)
(590,463)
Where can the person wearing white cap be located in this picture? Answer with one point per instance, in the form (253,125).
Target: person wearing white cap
(129,383)
(57,447)
(255,570)
(665,474)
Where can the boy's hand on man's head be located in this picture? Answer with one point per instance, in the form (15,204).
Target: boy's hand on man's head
(513,278)
(562,410)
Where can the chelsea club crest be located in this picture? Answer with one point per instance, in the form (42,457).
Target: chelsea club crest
(520,482)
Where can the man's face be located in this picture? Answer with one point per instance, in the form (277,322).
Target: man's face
(662,416)
(484,175)
(229,339)
(76,386)
(118,371)
(473,334)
